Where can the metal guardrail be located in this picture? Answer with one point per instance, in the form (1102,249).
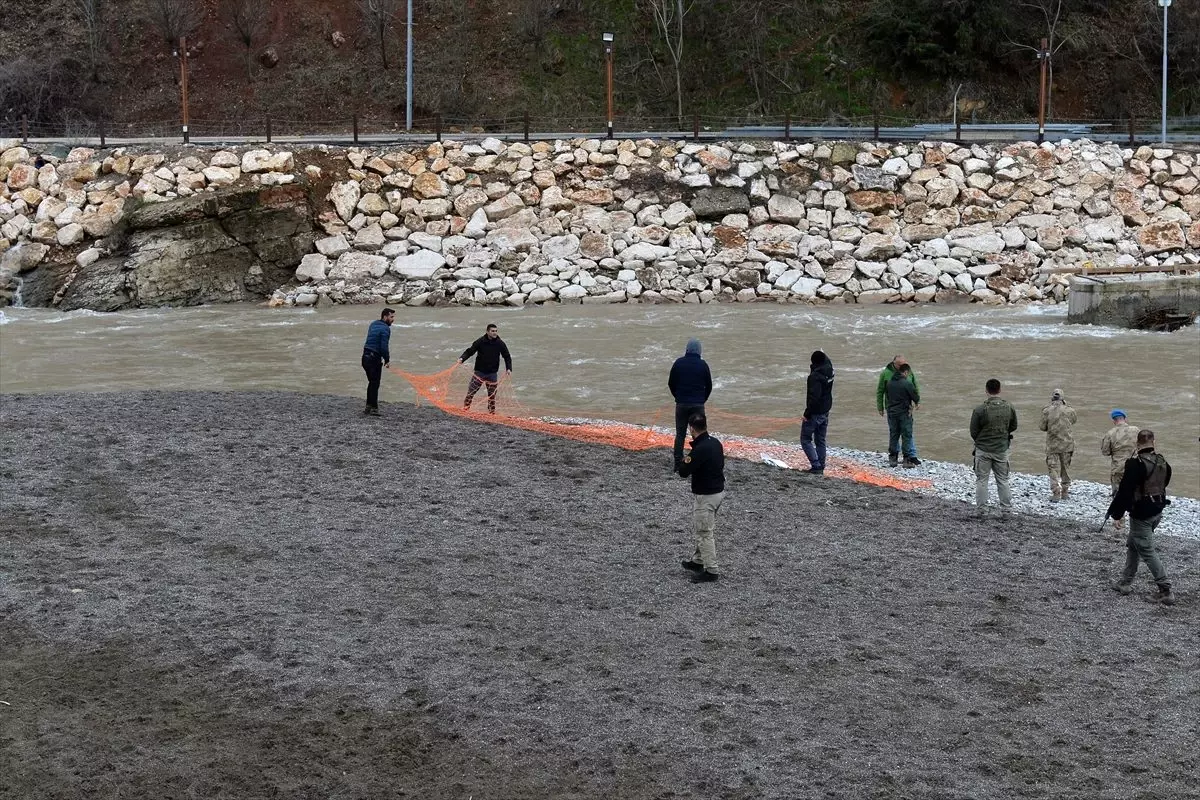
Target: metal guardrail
(353,129)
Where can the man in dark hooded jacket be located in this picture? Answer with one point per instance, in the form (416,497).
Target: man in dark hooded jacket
(1143,495)
(816,411)
(690,383)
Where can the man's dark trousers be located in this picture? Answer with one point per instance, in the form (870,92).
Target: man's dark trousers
(901,426)
(373,366)
(682,414)
(812,439)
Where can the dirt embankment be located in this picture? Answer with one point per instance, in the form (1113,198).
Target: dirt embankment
(256,595)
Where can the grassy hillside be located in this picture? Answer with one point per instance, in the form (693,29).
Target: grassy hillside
(477,60)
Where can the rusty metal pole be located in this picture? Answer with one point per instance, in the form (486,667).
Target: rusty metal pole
(183,76)
(787,127)
(1132,130)
(268,130)
(1044,57)
(525,120)
(437,126)
(355,122)
(103,138)
(696,127)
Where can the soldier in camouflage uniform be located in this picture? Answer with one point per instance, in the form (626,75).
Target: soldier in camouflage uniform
(1058,420)
(1118,444)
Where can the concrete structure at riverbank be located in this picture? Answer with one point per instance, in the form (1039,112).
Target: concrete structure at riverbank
(1133,301)
(588,221)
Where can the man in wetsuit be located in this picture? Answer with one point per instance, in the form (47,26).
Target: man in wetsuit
(488,350)
(1143,493)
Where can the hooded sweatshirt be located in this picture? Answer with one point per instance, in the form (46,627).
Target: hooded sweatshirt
(690,381)
(820,386)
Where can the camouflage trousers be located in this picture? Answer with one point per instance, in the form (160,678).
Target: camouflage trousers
(1059,465)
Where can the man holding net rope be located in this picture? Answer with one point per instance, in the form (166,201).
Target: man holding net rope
(488,350)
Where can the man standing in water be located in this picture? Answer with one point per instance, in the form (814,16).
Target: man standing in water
(816,411)
(1143,493)
(1058,421)
(1118,444)
(705,464)
(690,383)
(992,424)
(490,348)
(903,398)
(376,356)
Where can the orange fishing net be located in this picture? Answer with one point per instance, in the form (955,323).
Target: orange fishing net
(457,391)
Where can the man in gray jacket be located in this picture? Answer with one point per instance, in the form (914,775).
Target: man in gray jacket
(992,426)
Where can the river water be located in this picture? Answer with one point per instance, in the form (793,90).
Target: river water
(595,360)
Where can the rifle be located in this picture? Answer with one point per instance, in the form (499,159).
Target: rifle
(1103,522)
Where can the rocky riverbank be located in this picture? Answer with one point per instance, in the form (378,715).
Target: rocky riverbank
(291,599)
(601,221)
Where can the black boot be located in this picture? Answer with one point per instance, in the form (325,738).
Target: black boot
(694,566)
(705,577)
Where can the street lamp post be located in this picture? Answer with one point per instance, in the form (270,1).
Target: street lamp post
(608,57)
(1166,7)
(408,73)
(1044,57)
(181,53)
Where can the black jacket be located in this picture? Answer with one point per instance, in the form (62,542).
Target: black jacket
(820,390)
(1137,495)
(901,395)
(706,465)
(490,351)
(690,381)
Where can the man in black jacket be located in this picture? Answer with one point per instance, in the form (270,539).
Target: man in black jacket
(488,349)
(690,383)
(816,411)
(1143,493)
(705,465)
(902,399)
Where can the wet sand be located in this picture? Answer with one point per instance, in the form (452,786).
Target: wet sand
(269,595)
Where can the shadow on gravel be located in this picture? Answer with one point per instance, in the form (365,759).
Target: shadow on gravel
(268,595)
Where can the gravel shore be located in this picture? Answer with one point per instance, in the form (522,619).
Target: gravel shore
(269,595)
(1087,503)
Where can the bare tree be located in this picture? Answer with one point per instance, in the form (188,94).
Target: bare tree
(668,18)
(249,21)
(377,16)
(1051,12)
(91,14)
(175,19)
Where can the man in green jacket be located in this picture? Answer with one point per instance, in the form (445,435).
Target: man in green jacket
(885,376)
(992,426)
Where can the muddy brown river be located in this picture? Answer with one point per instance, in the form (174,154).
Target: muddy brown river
(595,361)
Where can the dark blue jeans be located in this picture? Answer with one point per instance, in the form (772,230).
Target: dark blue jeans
(900,426)
(812,439)
(372,364)
(682,414)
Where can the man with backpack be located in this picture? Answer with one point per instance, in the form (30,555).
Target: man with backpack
(1143,494)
